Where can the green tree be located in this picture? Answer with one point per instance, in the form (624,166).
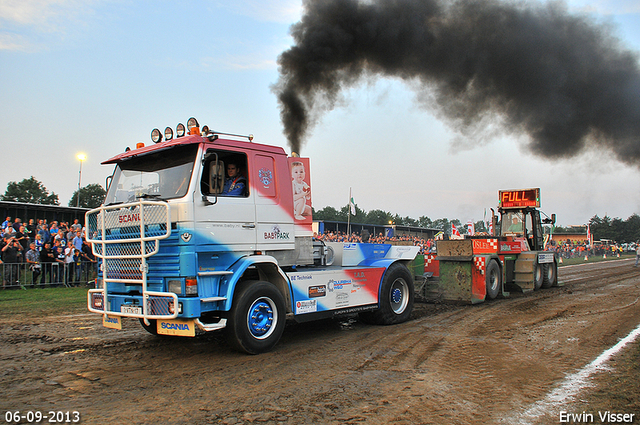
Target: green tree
(91,196)
(30,191)
(425,222)
(378,217)
(327,214)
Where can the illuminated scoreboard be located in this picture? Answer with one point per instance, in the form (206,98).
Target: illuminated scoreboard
(519,198)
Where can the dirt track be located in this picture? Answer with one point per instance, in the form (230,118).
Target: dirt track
(484,364)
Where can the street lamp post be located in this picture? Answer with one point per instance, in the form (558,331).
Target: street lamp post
(81,157)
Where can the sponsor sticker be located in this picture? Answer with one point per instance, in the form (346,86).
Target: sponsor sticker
(545,258)
(307,306)
(112,322)
(177,327)
(317,291)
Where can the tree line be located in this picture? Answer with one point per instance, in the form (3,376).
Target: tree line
(32,191)
(615,229)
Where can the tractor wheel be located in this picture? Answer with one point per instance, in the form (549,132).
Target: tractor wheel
(493,279)
(396,297)
(538,275)
(550,275)
(257,317)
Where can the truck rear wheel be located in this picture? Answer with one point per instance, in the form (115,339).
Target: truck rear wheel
(550,275)
(257,317)
(493,279)
(396,297)
(538,275)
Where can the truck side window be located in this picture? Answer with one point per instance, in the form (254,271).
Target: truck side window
(225,174)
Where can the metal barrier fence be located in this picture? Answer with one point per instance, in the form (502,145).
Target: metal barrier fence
(22,275)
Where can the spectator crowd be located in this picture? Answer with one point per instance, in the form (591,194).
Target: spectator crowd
(42,253)
(426,245)
(580,249)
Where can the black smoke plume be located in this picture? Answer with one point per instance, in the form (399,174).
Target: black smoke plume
(563,79)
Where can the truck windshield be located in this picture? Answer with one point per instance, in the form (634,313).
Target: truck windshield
(512,224)
(162,175)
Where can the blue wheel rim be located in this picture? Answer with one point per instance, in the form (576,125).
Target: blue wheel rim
(399,296)
(262,318)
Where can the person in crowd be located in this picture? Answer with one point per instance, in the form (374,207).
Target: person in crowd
(6,223)
(10,250)
(44,233)
(77,240)
(69,264)
(76,226)
(39,242)
(61,237)
(637,252)
(33,260)
(47,258)
(57,267)
(88,260)
(23,241)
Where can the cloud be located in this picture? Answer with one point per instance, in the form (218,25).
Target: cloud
(22,20)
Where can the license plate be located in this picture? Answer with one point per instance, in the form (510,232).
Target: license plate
(130,309)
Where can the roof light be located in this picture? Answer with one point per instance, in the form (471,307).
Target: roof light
(156,136)
(180,130)
(168,133)
(205,130)
(139,145)
(192,122)
(250,137)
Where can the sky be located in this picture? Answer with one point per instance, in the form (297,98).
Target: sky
(96,76)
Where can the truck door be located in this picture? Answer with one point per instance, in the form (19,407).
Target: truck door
(274,202)
(226,215)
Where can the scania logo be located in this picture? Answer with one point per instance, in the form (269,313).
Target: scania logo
(186,236)
(128,218)
(175,326)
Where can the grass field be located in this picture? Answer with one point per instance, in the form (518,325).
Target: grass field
(42,302)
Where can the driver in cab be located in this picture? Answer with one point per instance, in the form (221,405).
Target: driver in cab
(234,184)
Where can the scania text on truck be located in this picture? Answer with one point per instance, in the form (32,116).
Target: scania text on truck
(209,231)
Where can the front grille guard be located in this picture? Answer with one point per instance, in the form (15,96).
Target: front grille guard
(123,236)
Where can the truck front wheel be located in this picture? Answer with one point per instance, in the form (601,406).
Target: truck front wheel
(396,297)
(257,317)
(152,328)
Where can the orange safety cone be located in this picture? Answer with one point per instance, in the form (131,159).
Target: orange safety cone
(604,256)
(560,260)
(586,258)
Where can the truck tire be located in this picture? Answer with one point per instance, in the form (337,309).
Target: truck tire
(152,328)
(257,317)
(396,297)
(550,275)
(538,275)
(493,279)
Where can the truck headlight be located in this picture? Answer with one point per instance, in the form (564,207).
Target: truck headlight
(175,286)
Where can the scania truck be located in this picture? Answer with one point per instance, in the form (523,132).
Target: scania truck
(208,231)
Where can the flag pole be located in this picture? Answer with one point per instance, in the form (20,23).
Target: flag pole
(349,215)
